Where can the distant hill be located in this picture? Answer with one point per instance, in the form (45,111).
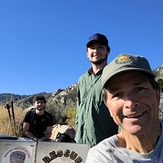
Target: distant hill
(4,97)
(159,71)
(61,98)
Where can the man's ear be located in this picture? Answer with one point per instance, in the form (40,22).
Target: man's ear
(105,101)
(87,53)
(158,92)
(105,98)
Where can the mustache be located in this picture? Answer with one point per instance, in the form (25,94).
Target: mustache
(100,61)
(41,109)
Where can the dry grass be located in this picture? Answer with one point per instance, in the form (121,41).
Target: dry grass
(7,127)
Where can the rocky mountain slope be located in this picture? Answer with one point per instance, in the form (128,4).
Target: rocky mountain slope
(159,71)
(61,98)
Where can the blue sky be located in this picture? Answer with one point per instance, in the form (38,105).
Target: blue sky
(42,42)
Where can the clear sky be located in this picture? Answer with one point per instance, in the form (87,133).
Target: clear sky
(42,42)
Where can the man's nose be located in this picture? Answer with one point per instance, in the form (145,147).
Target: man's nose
(131,101)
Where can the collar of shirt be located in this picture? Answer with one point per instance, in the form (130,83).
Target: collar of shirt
(90,71)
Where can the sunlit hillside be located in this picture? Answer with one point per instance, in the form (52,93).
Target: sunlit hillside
(10,127)
(7,126)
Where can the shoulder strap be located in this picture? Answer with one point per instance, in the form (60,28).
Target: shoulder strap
(32,117)
(32,114)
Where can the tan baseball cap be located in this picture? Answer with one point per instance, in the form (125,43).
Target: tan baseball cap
(125,62)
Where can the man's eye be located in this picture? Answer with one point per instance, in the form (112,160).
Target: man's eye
(139,89)
(101,47)
(118,94)
(40,102)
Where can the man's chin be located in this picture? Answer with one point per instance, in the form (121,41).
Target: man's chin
(40,109)
(99,61)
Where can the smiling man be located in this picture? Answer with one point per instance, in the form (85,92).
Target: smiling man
(93,120)
(132,96)
(37,123)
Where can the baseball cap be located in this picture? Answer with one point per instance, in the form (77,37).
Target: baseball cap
(98,38)
(125,62)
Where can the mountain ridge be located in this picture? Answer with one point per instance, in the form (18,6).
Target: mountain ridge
(60,98)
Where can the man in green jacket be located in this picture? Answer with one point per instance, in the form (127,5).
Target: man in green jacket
(92,122)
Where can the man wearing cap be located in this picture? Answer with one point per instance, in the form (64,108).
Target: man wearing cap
(132,96)
(37,123)
(93,120)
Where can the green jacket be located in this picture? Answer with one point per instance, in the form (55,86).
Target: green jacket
(93,120)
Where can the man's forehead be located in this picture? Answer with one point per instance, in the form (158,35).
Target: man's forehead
(39,101)
(135,76)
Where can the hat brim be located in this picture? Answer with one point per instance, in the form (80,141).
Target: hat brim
(97,41)
(93,42)
(112,75)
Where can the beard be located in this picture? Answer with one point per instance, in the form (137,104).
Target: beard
(98,62)
(40,109)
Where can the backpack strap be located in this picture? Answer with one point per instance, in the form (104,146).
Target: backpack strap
(32,117)
(32,114)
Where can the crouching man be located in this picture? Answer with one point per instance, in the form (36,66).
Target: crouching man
(37,123)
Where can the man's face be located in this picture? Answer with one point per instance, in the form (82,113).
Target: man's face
(40,105)
(97,53)
(133,102)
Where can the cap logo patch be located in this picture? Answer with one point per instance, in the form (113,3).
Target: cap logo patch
(123,59)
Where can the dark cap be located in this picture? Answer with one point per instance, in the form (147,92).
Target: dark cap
(98,38)
(125,62)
